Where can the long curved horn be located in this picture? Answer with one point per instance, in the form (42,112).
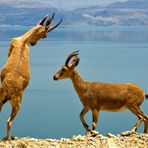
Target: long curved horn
(75,53)
(50,29)
(41,22)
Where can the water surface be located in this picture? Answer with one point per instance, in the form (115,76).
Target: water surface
(50,109)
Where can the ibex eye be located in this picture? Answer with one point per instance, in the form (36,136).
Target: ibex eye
(63,70)
(45,36)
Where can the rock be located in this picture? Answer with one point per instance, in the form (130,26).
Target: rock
(79,138)
(111,141)
(91,138)
(111,135)
(127,133)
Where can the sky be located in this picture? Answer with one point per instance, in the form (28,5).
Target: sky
(69,4)
(80,3)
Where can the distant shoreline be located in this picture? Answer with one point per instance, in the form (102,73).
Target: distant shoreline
(78,26)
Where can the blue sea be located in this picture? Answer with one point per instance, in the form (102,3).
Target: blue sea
(50,109)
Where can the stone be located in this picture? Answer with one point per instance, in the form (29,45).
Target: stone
(111,141)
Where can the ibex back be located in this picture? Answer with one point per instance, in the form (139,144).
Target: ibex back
(97,96)
(15,75)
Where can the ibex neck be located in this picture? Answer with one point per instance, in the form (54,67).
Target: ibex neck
(29,34)
(78,82)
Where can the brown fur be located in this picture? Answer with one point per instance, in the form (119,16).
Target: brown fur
(15,75)
(97,96)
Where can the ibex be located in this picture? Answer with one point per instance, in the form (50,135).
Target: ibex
(15,75)
(97,96)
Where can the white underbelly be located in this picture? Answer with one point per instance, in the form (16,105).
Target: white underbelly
(110,109)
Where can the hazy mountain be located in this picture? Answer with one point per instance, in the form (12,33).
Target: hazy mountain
(134,4)
(14,15)
(132,12)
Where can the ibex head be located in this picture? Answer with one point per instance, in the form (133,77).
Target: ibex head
(44,29)
(67,70)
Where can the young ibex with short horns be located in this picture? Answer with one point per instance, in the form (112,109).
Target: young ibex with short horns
(97,96)
(15,75)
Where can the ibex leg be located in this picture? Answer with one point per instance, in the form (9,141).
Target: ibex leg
(136,110)
(95,119)
(83,112)
(2,98)
(15,103)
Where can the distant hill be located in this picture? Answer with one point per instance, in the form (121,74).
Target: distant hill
(11,15)
(134,4)
(130,13)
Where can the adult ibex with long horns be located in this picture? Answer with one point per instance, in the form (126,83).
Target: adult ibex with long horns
(97,96)
(15,75)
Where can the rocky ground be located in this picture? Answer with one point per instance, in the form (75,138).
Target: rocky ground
(99,141)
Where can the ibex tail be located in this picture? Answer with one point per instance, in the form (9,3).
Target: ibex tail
(146,96)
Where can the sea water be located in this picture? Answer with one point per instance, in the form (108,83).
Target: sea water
(50,109)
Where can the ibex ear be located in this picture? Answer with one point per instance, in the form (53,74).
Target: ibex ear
(41,22)
(72,56)
(75,62)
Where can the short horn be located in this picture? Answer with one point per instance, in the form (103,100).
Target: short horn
(50,29)
(43,20)
(75,53)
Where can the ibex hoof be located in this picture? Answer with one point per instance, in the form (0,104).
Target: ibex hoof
(128,133)
(145,132)
(9,139)
(88,132)
(92,133)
